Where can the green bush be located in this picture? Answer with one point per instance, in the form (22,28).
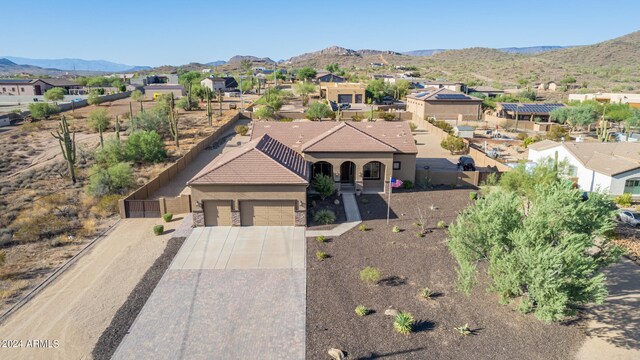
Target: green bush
(443,125)
(98,119)
(395,229)
(145,147)
(167,217)
(464,329)
(319,111)
(370,275)
(321,255)
(324,185)
(521,136)
(113,152)
(441,224)
(403,323)
(413,126)
(54,94)
(473,195)
(623,200)
(43,110)
(362,227)
(3,257)
(242,130)
(362,310)
(325,217)
(158,229)
(321,238)
(115,179)
(153,120)
(407,184)
(453,143)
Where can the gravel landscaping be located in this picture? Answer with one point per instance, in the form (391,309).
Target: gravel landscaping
(126,315)
(316,204)
(409,263)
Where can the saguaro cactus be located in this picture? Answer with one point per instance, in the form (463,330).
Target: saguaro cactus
(209,113)
(117,128)
(67,142)
(603,132)
(173,121)
(131,119)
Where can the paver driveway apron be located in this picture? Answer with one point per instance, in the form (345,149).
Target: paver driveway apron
(230,293)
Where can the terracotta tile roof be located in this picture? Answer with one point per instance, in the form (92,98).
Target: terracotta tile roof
(332,136)
(605,158)
(261,161)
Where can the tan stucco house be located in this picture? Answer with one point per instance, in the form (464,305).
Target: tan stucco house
(443,104)
(343,93)
(265,181)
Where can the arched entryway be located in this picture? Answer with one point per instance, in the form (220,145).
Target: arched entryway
(321,168)
(347,172)
(373,177)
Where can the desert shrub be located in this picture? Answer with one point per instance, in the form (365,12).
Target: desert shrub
(324,217)
(145,147)
(241,130)
(453,143)
(321,238)
(319,111)
(167,217)
(395,229)
(158,229)
(184,103)
(443,125)
(41,110)
(362,310)
(98,119)
(5,236)
(370,275)
(58,241)
(89,228)
(113,180)
(464,329)
(324,185)
(264,112)
(321,255)
(556,132)
(407,184)
(386,116)
(357,117)
(530,140)
(362,227)
(403,323)
(33,226)
(107,205)
(285,120)
(153,120)
(113,152)
(473,195)
(426,293)
(623,200)
(3,257)
(441,224)
(32,126)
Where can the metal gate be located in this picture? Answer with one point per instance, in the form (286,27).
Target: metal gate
(142,208)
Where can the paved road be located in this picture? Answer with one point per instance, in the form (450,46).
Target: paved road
(230,293)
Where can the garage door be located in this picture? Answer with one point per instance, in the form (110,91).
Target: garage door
(217,213)
(345,98)
(267,213)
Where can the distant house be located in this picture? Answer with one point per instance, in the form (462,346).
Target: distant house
(169,79)
(343,93)
(207,71)
(376,64)
(549,86)
(487,91)
(526,111)
(444,104)
(152,91)
(328,78)
(609,98)
(610,167)
(34,87)
(227,83)
(465,132)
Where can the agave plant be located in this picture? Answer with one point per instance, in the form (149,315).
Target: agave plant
(403,323)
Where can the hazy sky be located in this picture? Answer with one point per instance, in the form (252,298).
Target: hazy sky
(142,32)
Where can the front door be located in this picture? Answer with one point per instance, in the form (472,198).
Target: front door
(37,90)
(347,170)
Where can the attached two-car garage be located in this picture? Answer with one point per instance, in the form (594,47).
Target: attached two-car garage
(252,212)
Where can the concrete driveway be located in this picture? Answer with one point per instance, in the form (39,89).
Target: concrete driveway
(230,293)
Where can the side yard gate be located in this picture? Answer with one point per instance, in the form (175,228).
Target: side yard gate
(142,208)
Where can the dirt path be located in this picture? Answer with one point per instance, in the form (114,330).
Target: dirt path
(613,328)
(78,306)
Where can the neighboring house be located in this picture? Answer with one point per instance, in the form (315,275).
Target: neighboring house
(168,79)
(34,87)
(152,91)
(444,104)
(449,85)
(548,86)
(227,83)
(376,64)
(207,71)
(465,132)
(343,93)
(526,111)
(610,167)
(487,91)
(613,98)
(264,182)
(329,78)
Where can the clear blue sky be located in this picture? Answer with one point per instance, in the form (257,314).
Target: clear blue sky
(143,32)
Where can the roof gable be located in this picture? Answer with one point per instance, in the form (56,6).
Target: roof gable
(345,138)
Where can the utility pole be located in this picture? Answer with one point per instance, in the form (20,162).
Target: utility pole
(241,95)
(275,75)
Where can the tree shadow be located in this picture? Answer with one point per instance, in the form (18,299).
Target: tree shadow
(422,326)
(377,355)
(392,281)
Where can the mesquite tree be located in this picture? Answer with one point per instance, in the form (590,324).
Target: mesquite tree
(173,120)
(67,142)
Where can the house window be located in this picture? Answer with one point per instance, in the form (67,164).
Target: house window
(13,89)
(371,171)
(632,186)
(4,89)
(358,98)
(22,89)
(572,171)
(397,165)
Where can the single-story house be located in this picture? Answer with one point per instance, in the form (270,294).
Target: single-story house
(328,78)
(226,83)
(150,91)
(265,181)
(343,93)
(487,91)
(610,167)
(465,132)
(34,87)
(526,111)
(168,79)
(449,85)
(444,104)
(609,98)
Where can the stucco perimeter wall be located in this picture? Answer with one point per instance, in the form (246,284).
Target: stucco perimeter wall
(237,193)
